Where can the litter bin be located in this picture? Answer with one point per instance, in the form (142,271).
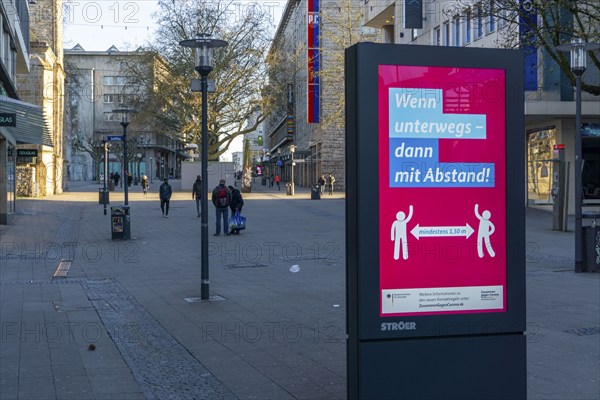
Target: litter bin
(315,192)
(591,243)
(120,222)
(103,196)
(264,181)
(288,189)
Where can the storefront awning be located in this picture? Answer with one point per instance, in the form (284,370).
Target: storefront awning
(31,125)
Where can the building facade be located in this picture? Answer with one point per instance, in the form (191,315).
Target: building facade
(100,82)
(549,95)
(21,122)
(43,86)
(307,64)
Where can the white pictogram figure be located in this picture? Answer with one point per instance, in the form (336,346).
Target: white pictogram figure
(399,233)
(486,229)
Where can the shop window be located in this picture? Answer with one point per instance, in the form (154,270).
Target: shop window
(590,152)
(540,152)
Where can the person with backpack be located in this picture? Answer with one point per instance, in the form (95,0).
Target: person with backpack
(221,198)
(237,202)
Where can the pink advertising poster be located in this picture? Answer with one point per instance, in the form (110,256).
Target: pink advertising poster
(442,190)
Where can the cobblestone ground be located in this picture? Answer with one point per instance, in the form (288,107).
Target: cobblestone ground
(163,368)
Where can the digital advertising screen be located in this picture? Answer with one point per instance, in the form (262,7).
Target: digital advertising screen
(442,190)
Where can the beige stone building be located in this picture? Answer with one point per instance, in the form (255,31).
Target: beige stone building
(43,85)
(20,122)
(307,62)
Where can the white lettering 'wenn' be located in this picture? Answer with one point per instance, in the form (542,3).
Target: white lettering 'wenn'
(407,100)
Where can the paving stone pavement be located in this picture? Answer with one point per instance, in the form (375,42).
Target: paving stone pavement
(278,331)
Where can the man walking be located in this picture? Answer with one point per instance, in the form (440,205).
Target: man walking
(197,193)
(165,193)
(221,198)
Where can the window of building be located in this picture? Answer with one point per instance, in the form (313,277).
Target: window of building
(540,147)
(446,34)
(479,20)
(491,17)
(503,16)
(468,22)
(457,41)
(110,116)
(414,34)
(437,39)
(116,80)
(119,98)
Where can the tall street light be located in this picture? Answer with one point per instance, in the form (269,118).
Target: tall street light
(578,48)
(292,151)
(203,45)
(124,112)
(106,145)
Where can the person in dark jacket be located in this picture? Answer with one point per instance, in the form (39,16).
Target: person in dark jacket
(237,202)
(197,193)
(165,193)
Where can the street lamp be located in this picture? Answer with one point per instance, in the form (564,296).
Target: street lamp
(151,173)
(578,48)
(203,45)
(124,112)
(292,151)
(106,145)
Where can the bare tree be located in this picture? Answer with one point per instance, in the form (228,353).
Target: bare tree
(548,23)
(342,25)
(237,106)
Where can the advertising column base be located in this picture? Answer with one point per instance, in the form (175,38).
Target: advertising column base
(467,367)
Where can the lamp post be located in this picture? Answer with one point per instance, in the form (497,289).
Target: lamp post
(578,48)
(124,112)
(151,177)
(161,173)
(105,144)
(203,45)
(292,151)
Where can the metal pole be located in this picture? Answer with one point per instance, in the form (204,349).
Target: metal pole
(125,162)
(292,185)
(204,286)
(578,178)
(105,173)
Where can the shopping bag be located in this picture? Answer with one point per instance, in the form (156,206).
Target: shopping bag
(233,222)
(241,221)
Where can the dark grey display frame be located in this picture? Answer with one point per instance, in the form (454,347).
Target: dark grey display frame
(362,223)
